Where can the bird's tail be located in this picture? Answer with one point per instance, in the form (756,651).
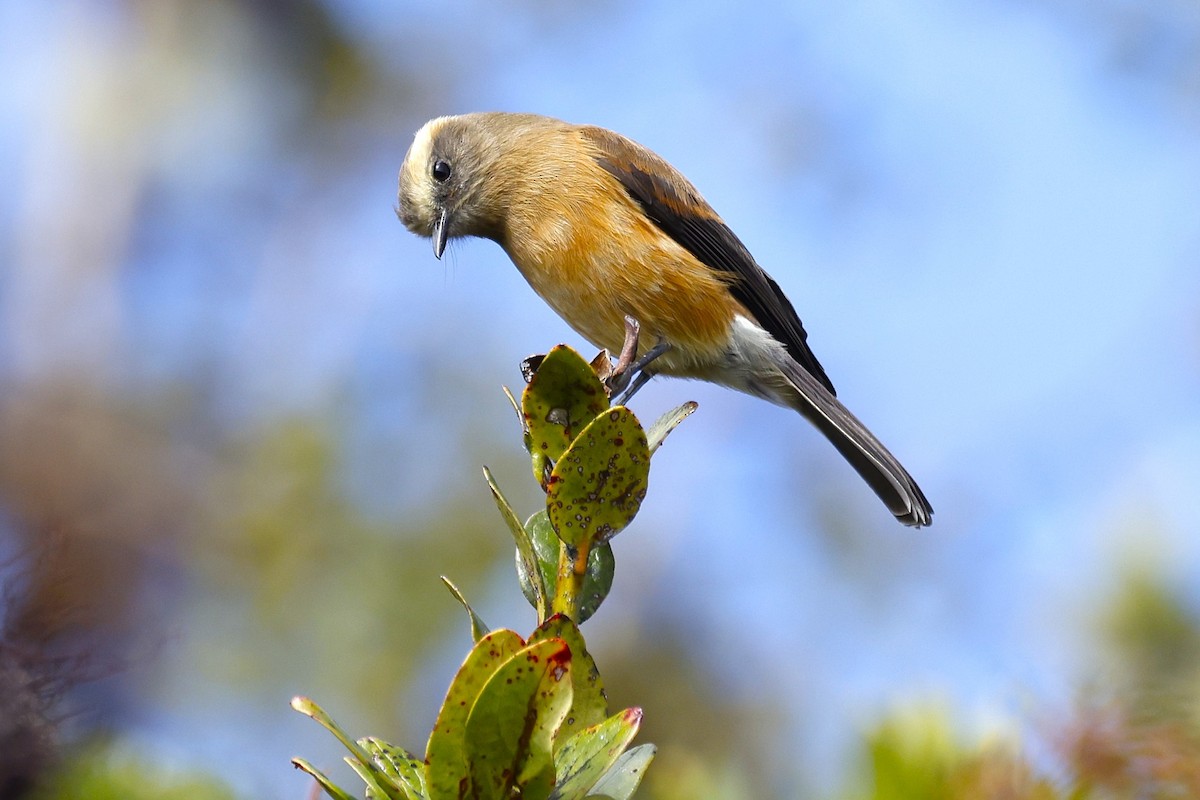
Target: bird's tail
(879,468)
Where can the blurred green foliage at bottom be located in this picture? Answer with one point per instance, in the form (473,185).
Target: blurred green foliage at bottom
(103,771)
(1113,745)
(916,755)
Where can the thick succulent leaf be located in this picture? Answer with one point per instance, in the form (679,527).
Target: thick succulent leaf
(667,423)
(533,581)
(545,545)
(331,788)
(405,771)
(561,399)
(598,485)
(589,705)
(446,774)
(479,628)
(590,753)
(622,779)
(596,582)
(510,732)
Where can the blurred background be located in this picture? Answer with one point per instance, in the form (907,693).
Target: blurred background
(243,411)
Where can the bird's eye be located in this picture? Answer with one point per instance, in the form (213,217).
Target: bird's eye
(441,170)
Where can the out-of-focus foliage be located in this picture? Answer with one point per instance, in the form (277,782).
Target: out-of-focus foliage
(693,723)
(915,754)
(684,774)
(1094,755)
(296,548)
(1153,630)
(1135,736)
(106,772)
(1114,750)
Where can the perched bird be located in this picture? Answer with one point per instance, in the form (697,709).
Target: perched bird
(602,228)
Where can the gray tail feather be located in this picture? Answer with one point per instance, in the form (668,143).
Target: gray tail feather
(879,468)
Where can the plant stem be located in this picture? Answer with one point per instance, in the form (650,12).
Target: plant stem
(568,589)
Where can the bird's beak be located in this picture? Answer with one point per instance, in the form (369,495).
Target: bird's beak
(440,232)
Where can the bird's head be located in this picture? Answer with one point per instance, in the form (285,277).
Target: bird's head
(453,180)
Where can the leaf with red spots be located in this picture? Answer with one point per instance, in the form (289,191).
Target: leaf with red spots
(446,774)
(510,732)
(600,567)
(585,757)
(563,396)
(589,705)
(598,484)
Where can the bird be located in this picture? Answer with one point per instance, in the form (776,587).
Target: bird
(604,229)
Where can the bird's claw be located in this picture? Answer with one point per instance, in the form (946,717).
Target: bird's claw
(628,375)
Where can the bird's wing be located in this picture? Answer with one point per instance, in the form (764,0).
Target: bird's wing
(675,206)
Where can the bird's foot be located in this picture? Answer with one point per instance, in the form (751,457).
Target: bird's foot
(629,375)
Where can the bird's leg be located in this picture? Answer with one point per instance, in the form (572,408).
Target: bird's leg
(633,330)
(628,375)
(642,376)
(659,348)
(618,374)
(639,380)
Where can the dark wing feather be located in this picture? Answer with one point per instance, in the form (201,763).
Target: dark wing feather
(675,206)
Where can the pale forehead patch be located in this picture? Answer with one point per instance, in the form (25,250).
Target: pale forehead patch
(416,187)
(421,149)
(423,141)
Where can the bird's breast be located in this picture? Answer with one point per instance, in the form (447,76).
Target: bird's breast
(596,259)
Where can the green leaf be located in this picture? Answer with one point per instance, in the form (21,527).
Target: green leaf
(479,628)
(378,786)
(622,779)
(533,581)
(596,582)
(446,774)
(310,709)
(589,705)
(563,396)
(667,422)
(545,544)
(598,485)
(515,405)
(405,771)
(526,440)
(331,788)
(359,759)
(510,732)
(591,752)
